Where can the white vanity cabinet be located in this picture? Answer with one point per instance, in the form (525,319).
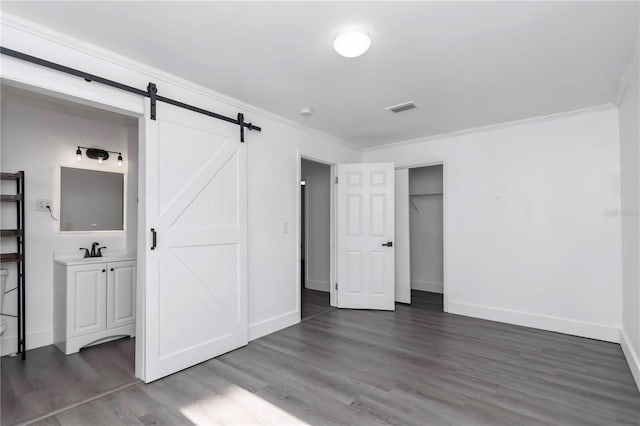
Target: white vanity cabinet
(94,301)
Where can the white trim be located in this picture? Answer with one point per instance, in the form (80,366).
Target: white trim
(525,121)
(155,73)
(591,330)
(333,237)
(141,254)
(298,278)
(317,285)
(429,286)
(633,359)
(35,339)
(627,74)
(274,324)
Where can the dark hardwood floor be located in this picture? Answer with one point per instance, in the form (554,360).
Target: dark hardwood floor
(314,303)
(414,366)
(49,380)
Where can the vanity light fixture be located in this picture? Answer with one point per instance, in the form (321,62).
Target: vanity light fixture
(97,154)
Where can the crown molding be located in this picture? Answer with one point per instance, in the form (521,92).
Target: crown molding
(627,74)
(550,117)
(46,33)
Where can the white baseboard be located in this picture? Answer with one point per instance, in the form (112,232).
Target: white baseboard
(9,344)
(317,285)
(430,286)
(633,359)
(272,325)
(543,322)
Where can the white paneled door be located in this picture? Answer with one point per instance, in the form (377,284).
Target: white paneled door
(365,232)
(196,272)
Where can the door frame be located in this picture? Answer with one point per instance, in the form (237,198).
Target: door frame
(33,78)
(333,297)
(437,161)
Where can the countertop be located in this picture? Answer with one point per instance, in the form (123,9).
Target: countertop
(74,259)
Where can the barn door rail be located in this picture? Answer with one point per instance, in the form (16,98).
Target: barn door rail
(151,92)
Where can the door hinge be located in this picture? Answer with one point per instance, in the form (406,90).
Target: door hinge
(336,179)
(336,286)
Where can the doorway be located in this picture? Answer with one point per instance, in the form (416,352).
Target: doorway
(90,351)
(420,272)
(315,237)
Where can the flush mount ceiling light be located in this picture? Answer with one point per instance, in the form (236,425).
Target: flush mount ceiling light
(306,112)
(352,44)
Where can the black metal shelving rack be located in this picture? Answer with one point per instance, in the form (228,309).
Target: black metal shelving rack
(18,256)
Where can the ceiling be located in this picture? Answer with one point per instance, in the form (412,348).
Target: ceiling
(466,64)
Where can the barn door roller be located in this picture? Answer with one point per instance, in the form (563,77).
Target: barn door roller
(151,92)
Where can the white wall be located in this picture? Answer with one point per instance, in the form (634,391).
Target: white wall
(273,156)
(426,228)
(630,171)
(38,136)
(532,234)
(317,193)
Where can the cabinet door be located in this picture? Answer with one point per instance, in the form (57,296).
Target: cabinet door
(121,291)
(87,299)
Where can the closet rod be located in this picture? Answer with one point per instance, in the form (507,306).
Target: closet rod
(149,93)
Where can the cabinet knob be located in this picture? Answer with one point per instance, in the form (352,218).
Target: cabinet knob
(104,270)
(111,269)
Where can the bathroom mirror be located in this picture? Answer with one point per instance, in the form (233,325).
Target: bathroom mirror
(91,200)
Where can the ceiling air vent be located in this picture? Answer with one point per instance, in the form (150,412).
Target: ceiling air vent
(405,106)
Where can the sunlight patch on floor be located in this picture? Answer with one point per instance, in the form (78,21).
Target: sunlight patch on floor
(237,406)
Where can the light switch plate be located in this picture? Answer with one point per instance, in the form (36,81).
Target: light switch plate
(285,227)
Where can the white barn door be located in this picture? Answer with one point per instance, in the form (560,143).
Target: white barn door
(365,232)
(196,273)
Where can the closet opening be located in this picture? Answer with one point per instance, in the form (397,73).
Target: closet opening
(315,237)
(420,235)
(80,167)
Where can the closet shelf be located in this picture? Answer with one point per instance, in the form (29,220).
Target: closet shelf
(5,197)
(10,257)
(11,232)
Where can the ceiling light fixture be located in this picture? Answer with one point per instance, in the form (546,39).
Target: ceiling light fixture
(306,112)
(352,44)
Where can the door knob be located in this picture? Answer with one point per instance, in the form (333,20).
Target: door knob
(388,244)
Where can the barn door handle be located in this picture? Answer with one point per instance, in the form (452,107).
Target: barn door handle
(388,244)
(154,238)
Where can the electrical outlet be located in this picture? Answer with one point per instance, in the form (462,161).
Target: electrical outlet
(41,205)
(285,227)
